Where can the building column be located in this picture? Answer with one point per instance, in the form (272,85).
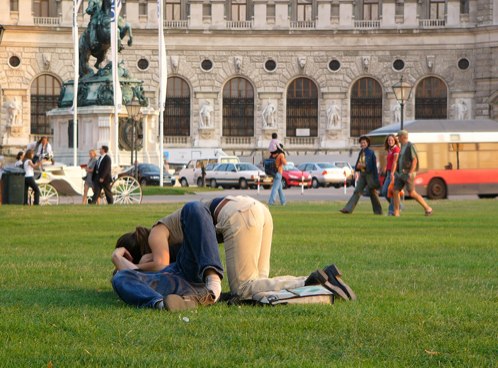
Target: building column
(346,13)
(453,13)
(282,14)
(25,13)
(323,14)
(196,16)
(388,14)
(218,14)
(260,14)
(410,12)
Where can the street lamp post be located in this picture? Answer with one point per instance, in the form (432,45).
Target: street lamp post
(134,113)
(402,92)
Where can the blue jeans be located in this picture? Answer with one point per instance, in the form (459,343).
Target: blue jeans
(199,252)
(277,188)
(383,192)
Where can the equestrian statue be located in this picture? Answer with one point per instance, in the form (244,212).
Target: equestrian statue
(96,39)
(95,87)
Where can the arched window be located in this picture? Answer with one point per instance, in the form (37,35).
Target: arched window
(238,108)
(45,92)
(431,99)
(366,106)
(177,108)
(302,108)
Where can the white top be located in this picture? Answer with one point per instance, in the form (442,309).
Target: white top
(273,145)
(28,169)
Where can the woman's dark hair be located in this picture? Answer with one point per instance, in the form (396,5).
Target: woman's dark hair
(29,154)
(365,138)
(137,243)
(396,142)
(19,155)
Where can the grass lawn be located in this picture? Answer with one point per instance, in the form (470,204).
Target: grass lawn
(169,190)
(427,292)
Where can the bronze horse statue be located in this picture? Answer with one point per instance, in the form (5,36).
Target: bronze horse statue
(96,39)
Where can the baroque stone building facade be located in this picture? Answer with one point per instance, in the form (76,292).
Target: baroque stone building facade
(319,73)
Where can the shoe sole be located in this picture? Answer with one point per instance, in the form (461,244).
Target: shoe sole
(334,277)
(324,281)
(176,303)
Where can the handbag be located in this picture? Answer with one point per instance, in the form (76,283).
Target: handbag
(390,190)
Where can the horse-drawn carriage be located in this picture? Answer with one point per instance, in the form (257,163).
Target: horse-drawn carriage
(65,180)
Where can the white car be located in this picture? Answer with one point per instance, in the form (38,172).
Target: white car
(329,173)
(191,173)
(239,175)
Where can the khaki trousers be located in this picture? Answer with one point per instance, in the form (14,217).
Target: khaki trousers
(247,228)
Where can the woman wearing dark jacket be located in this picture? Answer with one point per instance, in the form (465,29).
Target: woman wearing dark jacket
(366,166)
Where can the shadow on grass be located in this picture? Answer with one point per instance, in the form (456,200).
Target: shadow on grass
(60,297)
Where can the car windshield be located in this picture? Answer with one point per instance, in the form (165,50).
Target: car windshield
(341,164)
(149,168)
(290,166)
(246,167)
(325,165)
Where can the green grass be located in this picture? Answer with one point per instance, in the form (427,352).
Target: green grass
(169,190)
(427,292)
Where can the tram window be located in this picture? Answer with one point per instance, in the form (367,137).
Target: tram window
(488,146)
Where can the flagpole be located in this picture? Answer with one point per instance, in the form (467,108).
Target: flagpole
(118,99)
(163,80)
(76,6)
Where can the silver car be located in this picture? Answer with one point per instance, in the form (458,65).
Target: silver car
(329,173)
(239,175)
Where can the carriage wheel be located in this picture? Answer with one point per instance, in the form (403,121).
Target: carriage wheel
(126,190)
(48,195)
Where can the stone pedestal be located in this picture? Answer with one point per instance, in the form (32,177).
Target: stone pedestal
(96,127)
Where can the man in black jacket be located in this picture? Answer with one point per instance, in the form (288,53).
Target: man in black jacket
(102,177)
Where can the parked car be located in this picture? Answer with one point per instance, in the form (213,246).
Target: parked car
(148,174)
(329,173)
(293,177)
(240,175)
(189,174)
(198,175)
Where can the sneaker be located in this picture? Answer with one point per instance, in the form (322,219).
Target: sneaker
(177,303)
(334,277)
(319,277)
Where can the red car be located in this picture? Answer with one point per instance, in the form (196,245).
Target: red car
(293,177)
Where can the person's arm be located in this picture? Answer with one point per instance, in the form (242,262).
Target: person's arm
(122,259)
(395,163)
(283,161)
(159,245)
(414,165)
(34,166)
(90,169)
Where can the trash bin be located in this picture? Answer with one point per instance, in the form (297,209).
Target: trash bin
(13,185)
